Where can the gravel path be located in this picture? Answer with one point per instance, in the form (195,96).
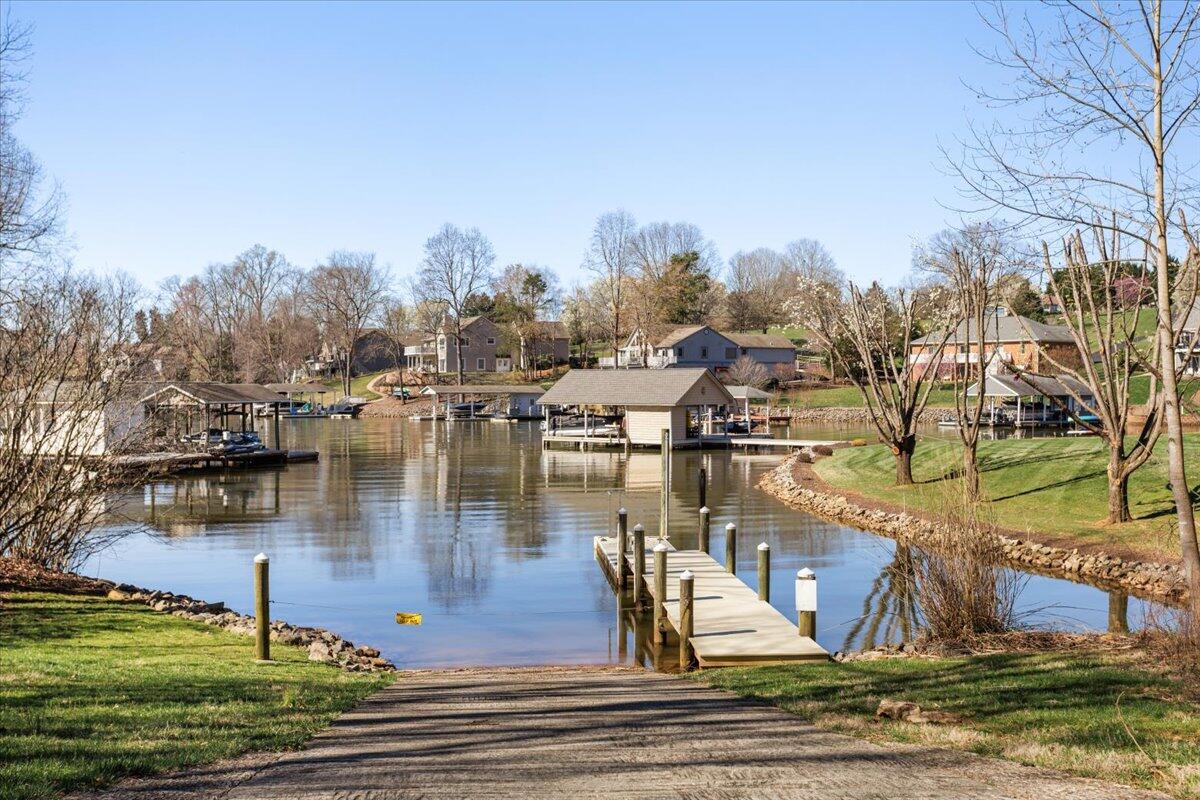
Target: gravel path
(600,733)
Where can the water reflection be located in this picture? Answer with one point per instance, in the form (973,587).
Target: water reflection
(489,536)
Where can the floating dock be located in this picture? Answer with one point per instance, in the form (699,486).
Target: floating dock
(731,626)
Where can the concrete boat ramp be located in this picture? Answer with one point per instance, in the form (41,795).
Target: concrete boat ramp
(731,626)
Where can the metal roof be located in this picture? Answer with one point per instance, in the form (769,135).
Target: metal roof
(483,388)
(747,393)
(219,393)
(1029,385)
(632,387)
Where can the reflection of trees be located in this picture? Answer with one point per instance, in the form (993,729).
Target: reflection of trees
(890,610)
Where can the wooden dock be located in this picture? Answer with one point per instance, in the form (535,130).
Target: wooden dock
(732,627)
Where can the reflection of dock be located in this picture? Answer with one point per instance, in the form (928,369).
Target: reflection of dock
(732,627)
(165,464)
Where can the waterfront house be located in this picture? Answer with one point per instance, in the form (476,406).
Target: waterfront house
(1187,341)
(72,418)
(1009,339)
(679,400)
(700,346)
(373,351)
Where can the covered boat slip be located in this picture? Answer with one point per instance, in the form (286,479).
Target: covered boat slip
(300,399)
(731,626)
(682,401)
(1027,400)
(472,401)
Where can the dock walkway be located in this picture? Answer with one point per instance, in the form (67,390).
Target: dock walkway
(808,443)
(731,626)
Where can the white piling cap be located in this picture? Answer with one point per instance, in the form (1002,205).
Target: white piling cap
(640,527)
(661,547)
(805,574)
(622,510)
(686,575)
(764,546)
(730,527)
(704,509)
(261,558)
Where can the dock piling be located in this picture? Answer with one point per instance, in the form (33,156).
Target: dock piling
(639,565)
(660,592)
(687,594)
(731,549)
(764,572)
(622,547)
(806,603)
(703,487)
(703,543)
(262,608)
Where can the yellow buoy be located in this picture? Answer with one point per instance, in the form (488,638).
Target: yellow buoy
(407,618)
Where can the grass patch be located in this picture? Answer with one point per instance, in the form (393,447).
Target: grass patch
(1055,486)
(93,690)
(849,397)
(358,386)
(1099,715)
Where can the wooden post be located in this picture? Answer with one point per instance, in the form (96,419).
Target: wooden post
(764,572)
(639,565)
(704,529)
(262,608)
(731,549)
(278,446)
(622,548)
(806,602)
(703,487)
(664,509)
(687,595)
(660,592)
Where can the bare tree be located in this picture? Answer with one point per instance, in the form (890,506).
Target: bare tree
(1110,94)
(1109,355)
(398,324)
(528,295)
(30,213)
(583,317)
(972,262)
(759,284)
(870,336)
(457,265)
(745,371)
(610,259)
(345,295)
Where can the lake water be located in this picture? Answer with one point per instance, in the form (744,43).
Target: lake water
(489,536)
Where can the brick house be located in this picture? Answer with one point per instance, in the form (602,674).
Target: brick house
(1010,340)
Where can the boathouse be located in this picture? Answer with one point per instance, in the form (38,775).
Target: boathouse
(1027,400)
(178,409)
(679,400)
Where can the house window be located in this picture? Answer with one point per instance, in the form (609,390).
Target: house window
(679,352)
(704,352)
(491,340)
(481,364)
(466,340)
(731,352)
(745,351)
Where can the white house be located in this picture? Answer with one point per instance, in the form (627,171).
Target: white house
(700,346)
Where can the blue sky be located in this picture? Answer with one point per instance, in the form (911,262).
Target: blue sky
(183,133)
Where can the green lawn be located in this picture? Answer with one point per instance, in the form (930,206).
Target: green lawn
(1097,715)
(93,690)
(849,397)
(358,386)
(1051,487)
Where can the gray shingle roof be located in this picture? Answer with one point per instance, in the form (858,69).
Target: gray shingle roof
(1010,328)
(1028,384)
(632,387)
(216,393)
(759,340)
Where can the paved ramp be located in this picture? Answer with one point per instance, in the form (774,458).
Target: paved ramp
(599,734)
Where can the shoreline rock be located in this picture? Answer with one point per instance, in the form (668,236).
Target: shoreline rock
(1140,578)
(847,415)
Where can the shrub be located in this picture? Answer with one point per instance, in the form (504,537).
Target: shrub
(822,450)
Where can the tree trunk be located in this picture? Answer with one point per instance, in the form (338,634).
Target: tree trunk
(348,360)
(903,451)
(1118,488)
(1176,472)
(458,356)
(971,470)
